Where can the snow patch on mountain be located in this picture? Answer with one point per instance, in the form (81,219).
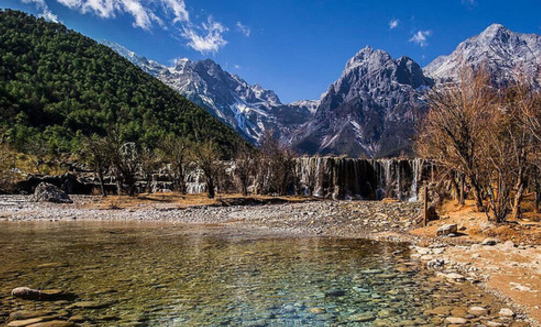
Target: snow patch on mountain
(249,109)
(506,54)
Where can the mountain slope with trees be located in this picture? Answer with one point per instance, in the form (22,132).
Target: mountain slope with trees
(57,85)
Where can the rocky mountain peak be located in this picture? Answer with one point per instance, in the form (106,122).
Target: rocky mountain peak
(368,57)
(368,111)
(493,31)
(500,50)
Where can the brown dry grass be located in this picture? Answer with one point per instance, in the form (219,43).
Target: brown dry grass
(475,225)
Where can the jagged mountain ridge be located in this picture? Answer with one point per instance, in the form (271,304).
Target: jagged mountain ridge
(504,53)
(363,114)
(249,109)
(369,111)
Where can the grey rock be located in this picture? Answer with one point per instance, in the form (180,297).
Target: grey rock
(447,229)
(46,192)
(496,49)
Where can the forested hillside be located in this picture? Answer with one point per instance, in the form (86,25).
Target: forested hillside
(57,85)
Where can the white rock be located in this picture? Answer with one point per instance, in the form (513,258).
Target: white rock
(455,277)
(456,321)
(490,241)
(505,312)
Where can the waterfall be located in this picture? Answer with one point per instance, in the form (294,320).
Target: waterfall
(398,192)
(195,182)
(416,167)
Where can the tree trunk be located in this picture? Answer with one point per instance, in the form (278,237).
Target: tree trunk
(456,187)
(537,194)
(244,188)
(210,188)
(461,185)
(149,181)
(478,197)
(181,180)
(102,183)
(537,201)
(518,196)
(119,190)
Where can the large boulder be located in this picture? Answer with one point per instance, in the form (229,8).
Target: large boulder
(447,229)
(46,192)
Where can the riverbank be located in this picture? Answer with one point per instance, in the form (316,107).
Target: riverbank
(510,270)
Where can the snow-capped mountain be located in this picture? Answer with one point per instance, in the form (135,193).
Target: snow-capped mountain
(504,53)
(249,109)
(369,110)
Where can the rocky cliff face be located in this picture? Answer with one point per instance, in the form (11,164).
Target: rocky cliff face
(506,55)
(370,110)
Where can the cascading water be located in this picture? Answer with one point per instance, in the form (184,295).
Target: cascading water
(416,166)
(348,178)
(369,179)
(398,192)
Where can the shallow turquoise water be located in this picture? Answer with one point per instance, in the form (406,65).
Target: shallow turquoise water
(180,275)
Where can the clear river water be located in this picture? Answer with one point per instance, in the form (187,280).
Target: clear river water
(144,274)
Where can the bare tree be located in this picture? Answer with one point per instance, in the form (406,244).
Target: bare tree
(276,165)
(453,131)
(521,101)
(94,152)
(206,156)
(176,151)
(245,166)
(149,165)
(126,162)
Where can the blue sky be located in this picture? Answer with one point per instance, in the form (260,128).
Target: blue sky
(294,47)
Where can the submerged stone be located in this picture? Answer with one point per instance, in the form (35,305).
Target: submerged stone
(361,317)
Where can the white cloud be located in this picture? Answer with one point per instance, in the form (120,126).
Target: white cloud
(243,29)
(393,24)
(208,38)
(45,11)
(421,37)
(237,67)
(143,12)
(172,15)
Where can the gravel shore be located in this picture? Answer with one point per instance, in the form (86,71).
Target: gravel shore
(330,218)
(452,259)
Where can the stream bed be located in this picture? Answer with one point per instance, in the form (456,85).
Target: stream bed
(157,274)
